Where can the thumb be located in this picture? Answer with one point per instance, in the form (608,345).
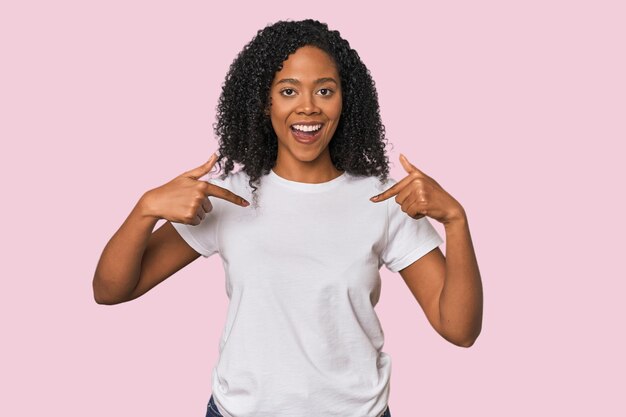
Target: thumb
(409,167)
(202,169)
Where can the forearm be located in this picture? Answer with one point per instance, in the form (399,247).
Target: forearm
(119,266)
(461,300)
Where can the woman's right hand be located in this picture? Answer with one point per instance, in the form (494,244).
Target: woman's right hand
(185,198)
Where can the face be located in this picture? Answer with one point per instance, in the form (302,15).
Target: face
(305,107)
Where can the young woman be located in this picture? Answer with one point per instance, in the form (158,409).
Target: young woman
(299,113)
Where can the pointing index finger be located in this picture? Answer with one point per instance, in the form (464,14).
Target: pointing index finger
(225,194)
(390,192)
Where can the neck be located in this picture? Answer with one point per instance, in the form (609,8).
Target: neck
(311,172)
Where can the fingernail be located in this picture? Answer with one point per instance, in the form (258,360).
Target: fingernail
(374,198)
(245,203)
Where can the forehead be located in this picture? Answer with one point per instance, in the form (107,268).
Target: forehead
(307,64)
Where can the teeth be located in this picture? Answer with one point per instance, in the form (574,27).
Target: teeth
(305,128)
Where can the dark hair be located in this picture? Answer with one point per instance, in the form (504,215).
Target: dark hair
(244,129)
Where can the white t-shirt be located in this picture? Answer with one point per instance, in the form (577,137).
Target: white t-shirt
(301,337)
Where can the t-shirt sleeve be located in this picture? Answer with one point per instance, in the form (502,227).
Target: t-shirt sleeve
(202,237)
(408,239)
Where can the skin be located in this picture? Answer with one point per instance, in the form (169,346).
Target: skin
(135,259)
(449,290)
(307,88)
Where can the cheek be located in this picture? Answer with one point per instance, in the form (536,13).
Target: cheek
(337,109)
(278,129)
(279,117)
(275,119)
(336,116)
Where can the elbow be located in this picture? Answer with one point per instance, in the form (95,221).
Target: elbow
(101,299)
(464,335)
(464,343)
(107,301)
(104,301)
(468,342)
(102,296)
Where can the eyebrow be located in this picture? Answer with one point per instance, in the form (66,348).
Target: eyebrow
(296,81)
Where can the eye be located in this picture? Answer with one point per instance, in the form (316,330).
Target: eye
(326,91)
(288,92)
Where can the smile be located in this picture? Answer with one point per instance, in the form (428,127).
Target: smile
(307,128)
(307,134)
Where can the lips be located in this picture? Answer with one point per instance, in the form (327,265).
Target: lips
(306,137)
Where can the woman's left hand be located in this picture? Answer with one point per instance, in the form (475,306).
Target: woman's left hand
(419,196)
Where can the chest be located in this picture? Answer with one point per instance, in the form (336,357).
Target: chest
(303,234)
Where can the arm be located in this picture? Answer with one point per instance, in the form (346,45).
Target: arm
(135,259)
(449,289)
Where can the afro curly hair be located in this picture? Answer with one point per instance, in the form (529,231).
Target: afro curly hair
(244,128)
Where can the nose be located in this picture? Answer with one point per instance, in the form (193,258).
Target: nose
(308,105)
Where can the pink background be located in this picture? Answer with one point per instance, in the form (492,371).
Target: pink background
(516,108)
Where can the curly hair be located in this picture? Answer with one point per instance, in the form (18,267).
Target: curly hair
(244,128)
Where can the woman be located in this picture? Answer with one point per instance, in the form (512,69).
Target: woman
(299,113)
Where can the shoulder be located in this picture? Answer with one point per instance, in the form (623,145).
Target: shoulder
(234,181)
(368,184)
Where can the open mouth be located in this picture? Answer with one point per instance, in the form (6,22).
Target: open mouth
(308,133)
(306,130)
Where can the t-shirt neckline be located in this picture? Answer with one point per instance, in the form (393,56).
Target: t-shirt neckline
(305,186)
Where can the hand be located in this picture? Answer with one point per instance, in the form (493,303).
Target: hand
(185,198)
(419,196)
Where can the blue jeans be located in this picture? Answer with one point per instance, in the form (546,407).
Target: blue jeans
(211,410)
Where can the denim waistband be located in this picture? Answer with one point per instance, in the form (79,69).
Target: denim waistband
(212,410)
